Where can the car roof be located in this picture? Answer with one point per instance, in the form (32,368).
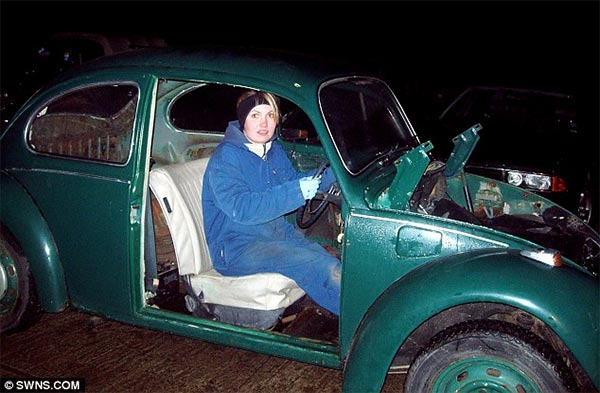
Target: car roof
(523,90)
(261,64)
(111,43)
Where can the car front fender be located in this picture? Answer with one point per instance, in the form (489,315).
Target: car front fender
(565,299)
(20,215)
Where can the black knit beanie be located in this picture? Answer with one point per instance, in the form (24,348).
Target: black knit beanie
(246,105)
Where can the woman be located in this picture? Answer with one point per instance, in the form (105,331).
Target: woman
(249,185)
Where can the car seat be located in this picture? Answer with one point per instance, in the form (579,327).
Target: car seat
(253,300)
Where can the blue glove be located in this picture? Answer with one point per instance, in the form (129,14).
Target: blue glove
(309,186)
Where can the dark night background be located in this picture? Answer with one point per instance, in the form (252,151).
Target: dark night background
(427,50)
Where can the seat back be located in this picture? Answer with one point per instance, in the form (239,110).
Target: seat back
(178,189)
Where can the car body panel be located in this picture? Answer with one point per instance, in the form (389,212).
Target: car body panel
(501,277)
(75,191)
(464,144)
(37,241)
(403,243)
(309,351)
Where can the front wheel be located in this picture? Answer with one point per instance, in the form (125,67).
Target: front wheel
(488,356)
(18,301)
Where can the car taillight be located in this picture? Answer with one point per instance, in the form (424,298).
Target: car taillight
(558,184)
(536,182)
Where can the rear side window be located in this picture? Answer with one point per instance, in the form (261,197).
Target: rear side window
(93,123)
(203,108)
(210,108)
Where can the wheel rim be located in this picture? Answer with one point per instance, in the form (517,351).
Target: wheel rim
(9,282)
(483,375)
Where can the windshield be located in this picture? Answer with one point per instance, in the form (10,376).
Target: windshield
(365,121)
(544,113)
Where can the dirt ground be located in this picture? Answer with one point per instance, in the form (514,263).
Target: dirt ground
(114,357)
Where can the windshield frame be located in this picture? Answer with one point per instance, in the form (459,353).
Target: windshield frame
(345,101)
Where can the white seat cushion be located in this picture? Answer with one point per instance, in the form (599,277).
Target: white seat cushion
(261,291)
(178,189)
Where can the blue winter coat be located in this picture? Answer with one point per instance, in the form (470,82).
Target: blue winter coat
(244,201)
(245,197)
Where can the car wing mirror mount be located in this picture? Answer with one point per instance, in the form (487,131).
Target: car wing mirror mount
(409,170)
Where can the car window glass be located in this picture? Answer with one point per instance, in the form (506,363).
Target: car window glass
(296,126)
(364,120)
(191,119)
(516,111)
(94,123)
(210,107)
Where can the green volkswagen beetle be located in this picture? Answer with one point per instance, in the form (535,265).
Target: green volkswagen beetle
(461,281)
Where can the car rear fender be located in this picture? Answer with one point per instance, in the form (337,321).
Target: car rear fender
(21,217)
(564,298)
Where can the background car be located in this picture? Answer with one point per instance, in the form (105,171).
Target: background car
(29,67)
(531,139)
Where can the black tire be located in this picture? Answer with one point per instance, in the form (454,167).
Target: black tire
(19,307)
(488,356)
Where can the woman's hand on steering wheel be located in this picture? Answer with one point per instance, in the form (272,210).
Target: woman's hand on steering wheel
(308,214)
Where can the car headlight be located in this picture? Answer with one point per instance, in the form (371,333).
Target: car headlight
(538,182)
(514,178)
(535,181)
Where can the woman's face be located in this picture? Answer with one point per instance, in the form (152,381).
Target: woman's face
(260,124)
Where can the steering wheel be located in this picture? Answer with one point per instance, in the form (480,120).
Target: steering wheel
(310,212)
